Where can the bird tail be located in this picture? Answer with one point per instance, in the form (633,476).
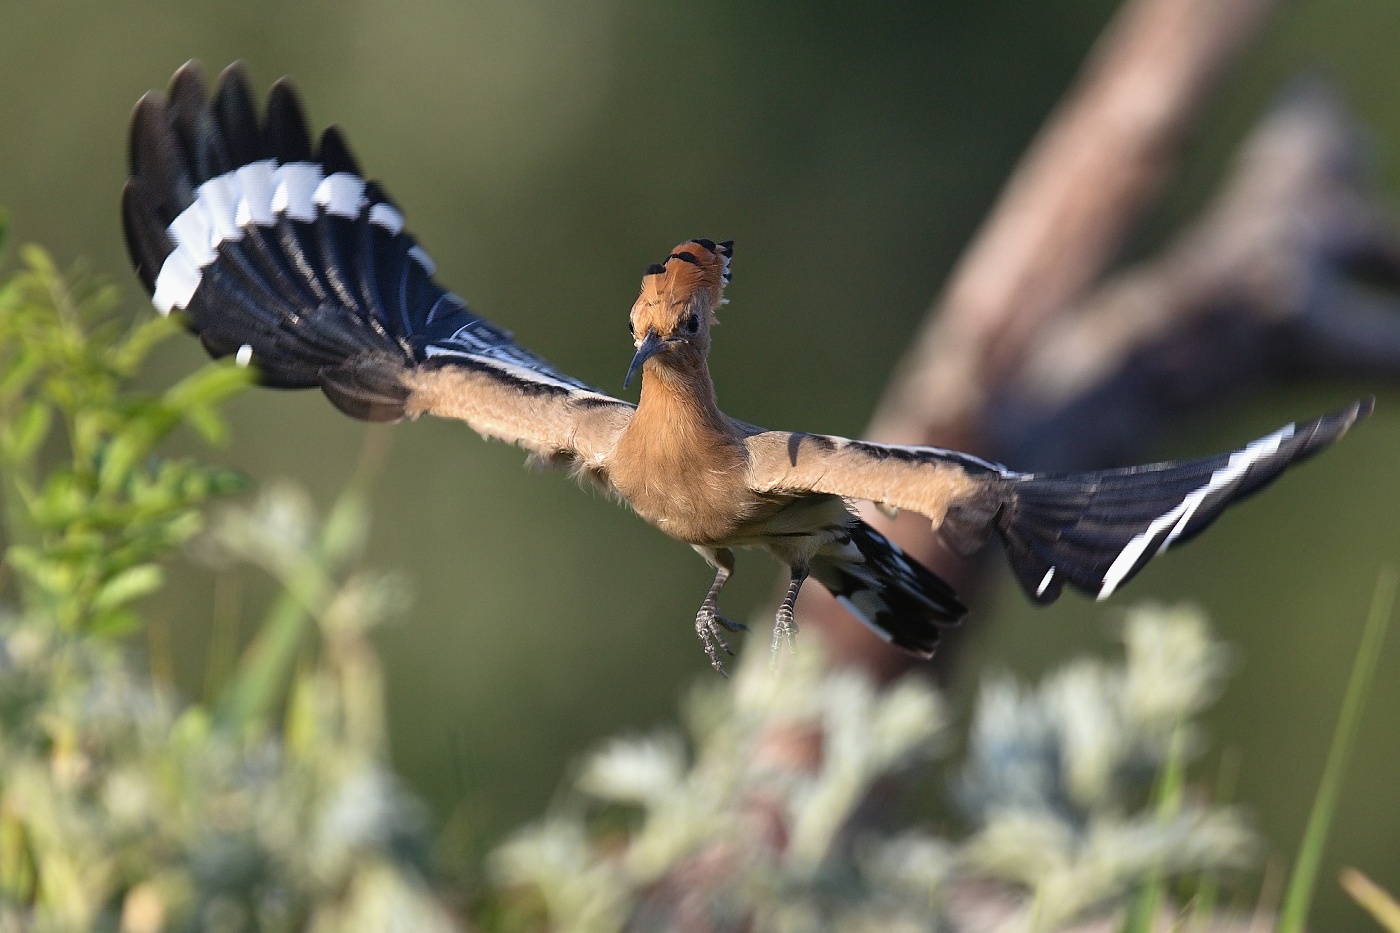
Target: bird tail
(898,598)
(1095,531)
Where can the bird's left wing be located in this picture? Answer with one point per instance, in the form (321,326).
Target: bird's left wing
(283,255)
(930,481)
(1092,530)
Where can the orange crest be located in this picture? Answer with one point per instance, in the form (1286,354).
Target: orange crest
(691,279)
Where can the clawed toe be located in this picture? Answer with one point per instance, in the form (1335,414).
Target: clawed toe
(785,624)
(707,627)
(709,622)
(731,624)
(784,632)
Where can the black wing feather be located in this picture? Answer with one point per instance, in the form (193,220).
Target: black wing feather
(236,113)
(1095,531)
(287,137)
(281,251)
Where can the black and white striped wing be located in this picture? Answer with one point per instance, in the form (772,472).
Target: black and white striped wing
(1092,530)
(284,255)
(1096,530)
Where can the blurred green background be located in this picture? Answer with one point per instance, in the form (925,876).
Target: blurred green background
(545,154)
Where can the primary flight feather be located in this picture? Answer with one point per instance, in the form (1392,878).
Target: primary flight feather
(280,253)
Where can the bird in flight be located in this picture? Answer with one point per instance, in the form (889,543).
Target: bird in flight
(280,253)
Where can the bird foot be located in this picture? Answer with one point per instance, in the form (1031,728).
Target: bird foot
(784,631)
(707,626)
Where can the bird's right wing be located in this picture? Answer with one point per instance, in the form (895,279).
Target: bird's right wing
(1093,530)
(285,257)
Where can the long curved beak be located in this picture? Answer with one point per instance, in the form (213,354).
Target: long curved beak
(652,344)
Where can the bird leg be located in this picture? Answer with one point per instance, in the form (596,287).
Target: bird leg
(785,625)
(708,621)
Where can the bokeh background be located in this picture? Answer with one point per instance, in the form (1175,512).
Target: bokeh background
(545,154)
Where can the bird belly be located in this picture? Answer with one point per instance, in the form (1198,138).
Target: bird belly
(715,507)
(792,529)
(702,516)
(694,489)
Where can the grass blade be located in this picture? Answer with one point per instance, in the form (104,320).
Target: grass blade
(266,672)
(1298,898)
(1147,903)
(1373,897)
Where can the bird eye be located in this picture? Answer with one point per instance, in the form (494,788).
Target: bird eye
(692,323)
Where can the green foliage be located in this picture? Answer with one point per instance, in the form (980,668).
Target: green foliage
(85,533)
(305,559)
(120,807)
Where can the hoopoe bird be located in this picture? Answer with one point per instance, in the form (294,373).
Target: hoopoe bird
(281,254)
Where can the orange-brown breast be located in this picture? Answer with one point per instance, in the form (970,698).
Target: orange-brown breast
(682,467)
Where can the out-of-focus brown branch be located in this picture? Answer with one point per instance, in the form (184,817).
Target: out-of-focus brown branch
(1276,254)
(1062,217)
(1267,285)
(1059,222)
(1291,272)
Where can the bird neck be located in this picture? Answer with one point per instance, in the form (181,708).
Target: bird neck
(680,462)
(679,398)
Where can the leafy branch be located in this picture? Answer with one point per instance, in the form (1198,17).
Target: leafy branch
(86,533)
(122,808)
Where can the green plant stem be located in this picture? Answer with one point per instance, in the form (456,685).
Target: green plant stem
(1298,899)
(267,669)
(1208,887)
(1142,912)
(15,476)
(265,673)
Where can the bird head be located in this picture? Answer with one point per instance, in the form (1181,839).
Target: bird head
(672,316)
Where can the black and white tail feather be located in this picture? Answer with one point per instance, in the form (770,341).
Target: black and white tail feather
(1091,531)
(896,597)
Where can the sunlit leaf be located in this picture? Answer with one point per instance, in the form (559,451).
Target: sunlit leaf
(208,386)
(208,424)
(130,584)
(132,350)
(113,623)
